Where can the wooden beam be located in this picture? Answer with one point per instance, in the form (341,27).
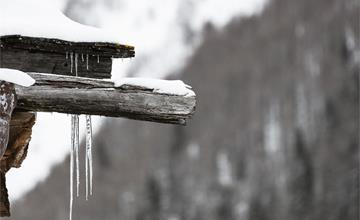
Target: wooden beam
(75,95)
(60,46)
(58,57)
(54,63)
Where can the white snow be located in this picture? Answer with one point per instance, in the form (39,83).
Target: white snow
(16,77)
(38,18)
(172,87)
(158,29)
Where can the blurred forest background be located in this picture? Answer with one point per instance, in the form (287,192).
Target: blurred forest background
(275,135)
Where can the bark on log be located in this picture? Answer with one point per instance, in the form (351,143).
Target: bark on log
(4,200)
(75,95)
(20,134)
(7,105)
(53,56)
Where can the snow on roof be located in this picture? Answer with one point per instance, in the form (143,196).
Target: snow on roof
(16,77)
(172,87)
(38,18)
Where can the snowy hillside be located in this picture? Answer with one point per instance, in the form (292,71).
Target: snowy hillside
(165,34)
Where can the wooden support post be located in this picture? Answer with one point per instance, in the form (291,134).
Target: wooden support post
(7,105)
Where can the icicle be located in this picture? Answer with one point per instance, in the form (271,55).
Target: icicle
(77,137)
(98,59)
(76,63)
(82,57)
(88,157)
(77,154)
(86,167)
(72,147)
(87,61)
(71,61)
(67,55)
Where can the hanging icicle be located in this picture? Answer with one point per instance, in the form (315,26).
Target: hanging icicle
(75,144)
(77,154)
(87,61)
(88,157)
(71,61)
(72,149)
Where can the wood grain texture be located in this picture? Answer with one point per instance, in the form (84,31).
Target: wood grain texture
(55,63)
(75,95)
(54,56)
(61,46)
(20,135)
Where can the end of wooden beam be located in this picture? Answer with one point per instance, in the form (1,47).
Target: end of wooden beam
(76,95)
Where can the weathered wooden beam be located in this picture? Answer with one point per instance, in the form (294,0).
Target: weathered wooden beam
(75,95)
(58,57)
(60,46)
(54,63)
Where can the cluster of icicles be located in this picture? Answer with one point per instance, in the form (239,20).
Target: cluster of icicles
(74,150)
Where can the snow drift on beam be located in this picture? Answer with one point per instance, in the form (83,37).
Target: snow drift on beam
(16,77)
(170,87)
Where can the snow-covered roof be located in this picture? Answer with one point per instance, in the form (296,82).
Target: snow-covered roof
(16,77)
(36,18)
(171,87)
